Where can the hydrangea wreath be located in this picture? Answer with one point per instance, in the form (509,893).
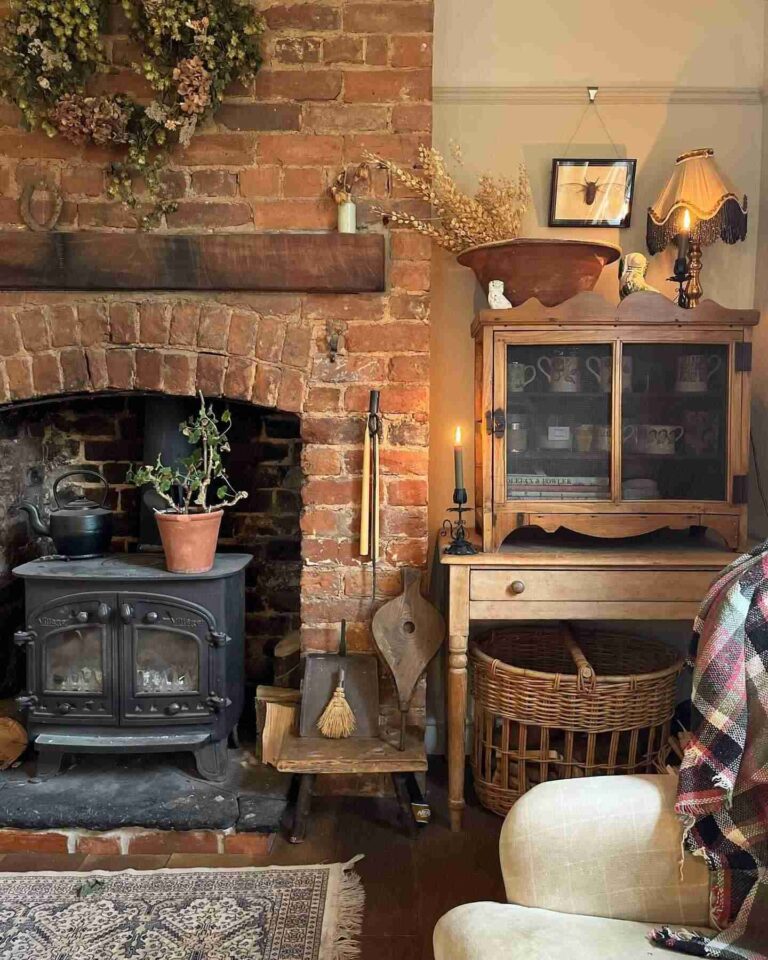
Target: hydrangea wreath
(191,50)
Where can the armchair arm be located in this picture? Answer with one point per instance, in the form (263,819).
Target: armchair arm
(606,847)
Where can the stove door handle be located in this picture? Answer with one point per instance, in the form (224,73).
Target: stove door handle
(103,612)
(126,613)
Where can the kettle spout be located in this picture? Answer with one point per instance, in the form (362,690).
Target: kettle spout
(35,520)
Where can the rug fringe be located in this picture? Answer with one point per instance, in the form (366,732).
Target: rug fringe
(351,904)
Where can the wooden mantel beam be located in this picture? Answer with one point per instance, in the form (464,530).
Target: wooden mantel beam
(284,262)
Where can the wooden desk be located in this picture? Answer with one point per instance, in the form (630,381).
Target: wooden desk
(534,580)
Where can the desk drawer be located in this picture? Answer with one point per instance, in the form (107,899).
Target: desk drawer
(526,585)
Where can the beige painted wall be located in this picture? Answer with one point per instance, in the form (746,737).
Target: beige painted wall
(719,45)
(490,42)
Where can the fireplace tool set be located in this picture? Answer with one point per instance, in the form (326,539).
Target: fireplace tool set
(370,504)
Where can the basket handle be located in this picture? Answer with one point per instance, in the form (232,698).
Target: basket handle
(586,676)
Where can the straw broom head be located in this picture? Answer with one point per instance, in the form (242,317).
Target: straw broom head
(337,720)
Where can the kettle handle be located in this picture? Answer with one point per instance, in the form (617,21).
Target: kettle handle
(80,473)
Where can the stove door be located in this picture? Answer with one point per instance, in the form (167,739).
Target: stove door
(70,657)
(172,670)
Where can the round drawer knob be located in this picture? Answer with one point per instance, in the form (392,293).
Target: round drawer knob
(172,709)
(517,587)
(65,707)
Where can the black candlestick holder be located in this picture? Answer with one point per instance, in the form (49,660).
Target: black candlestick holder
(456,529)
(681,276)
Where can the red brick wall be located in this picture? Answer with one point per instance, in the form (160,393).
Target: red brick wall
(339,76)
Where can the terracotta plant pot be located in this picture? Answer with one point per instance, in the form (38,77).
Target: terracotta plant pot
(189,540)
(549,270)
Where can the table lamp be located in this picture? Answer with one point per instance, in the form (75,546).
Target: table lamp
(697,207)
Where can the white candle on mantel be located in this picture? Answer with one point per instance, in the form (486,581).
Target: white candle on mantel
(458,461)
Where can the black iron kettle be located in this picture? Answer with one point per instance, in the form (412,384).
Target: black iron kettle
(80,528)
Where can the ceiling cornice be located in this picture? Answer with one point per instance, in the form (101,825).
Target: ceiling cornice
(542,95)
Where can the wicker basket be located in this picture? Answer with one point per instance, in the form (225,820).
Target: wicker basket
(569,707)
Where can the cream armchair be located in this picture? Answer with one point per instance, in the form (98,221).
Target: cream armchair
(589,865)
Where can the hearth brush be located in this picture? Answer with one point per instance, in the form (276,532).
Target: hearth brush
(337,721)
(371,494)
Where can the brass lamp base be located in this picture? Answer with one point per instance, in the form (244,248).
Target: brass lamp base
(693,290)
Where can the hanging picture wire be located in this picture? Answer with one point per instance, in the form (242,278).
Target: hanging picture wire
(591,192)
(591,105)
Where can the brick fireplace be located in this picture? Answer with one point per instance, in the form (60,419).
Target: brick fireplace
(339,77)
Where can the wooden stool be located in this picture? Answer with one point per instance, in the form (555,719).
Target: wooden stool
(309,757)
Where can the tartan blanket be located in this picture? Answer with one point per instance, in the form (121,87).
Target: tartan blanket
(723,788)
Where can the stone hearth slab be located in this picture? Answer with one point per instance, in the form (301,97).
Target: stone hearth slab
(100,793)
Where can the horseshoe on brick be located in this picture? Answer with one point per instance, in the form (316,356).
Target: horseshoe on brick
(25,205)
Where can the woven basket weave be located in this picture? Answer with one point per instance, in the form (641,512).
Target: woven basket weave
(550,705)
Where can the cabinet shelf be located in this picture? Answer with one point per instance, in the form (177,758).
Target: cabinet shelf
(559,455)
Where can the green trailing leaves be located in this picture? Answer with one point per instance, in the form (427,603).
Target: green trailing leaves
(185,487)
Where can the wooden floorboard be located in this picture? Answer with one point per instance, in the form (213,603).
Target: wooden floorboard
(409,884)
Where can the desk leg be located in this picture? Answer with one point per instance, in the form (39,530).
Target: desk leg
(456,689)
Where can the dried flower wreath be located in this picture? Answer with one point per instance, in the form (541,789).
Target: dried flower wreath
(190,51)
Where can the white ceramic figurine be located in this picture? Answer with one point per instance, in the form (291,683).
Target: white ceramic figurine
(496,298)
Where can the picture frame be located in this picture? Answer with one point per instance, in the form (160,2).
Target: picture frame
(591,193)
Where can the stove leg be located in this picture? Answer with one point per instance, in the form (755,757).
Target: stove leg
(234,738)
(301,811)
(211,760)
(48,765)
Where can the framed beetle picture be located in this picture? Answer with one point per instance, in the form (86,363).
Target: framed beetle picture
(591,193)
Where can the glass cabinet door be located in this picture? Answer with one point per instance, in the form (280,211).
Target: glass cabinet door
(558,422)
(674,422)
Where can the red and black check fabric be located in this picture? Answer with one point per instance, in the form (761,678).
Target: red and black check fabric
(723,789)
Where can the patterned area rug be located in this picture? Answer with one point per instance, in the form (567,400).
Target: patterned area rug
(271,913)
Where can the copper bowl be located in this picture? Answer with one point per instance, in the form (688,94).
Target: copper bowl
(549,270)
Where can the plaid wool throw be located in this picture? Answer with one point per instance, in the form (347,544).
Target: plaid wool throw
(723,789)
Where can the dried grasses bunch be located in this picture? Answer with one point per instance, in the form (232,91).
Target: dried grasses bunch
(460,220)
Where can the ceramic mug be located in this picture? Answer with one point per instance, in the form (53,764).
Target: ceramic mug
(519,375)
(601,369)
(602,441)
(629,435)
(702,432)
(562,372)
(583,437)
(694,371)
(659,439)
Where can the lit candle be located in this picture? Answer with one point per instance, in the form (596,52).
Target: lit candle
(458,460)
(683,238)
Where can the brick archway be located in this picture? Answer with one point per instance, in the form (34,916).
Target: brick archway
(270,350)
(257,351)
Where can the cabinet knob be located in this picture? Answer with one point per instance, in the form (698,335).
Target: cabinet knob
(65,707)
(172,709)
(81,616)
(151,617)
(126,612)
(517,586)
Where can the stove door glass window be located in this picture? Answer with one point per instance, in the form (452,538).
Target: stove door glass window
(167,662)
(74,661)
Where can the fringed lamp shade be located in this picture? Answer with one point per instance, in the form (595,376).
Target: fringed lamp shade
(697,185)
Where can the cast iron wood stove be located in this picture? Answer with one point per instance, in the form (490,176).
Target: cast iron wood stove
(125,657)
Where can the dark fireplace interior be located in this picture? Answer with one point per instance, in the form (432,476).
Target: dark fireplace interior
(109,433)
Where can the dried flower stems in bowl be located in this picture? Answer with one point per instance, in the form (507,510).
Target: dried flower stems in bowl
(459,220)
